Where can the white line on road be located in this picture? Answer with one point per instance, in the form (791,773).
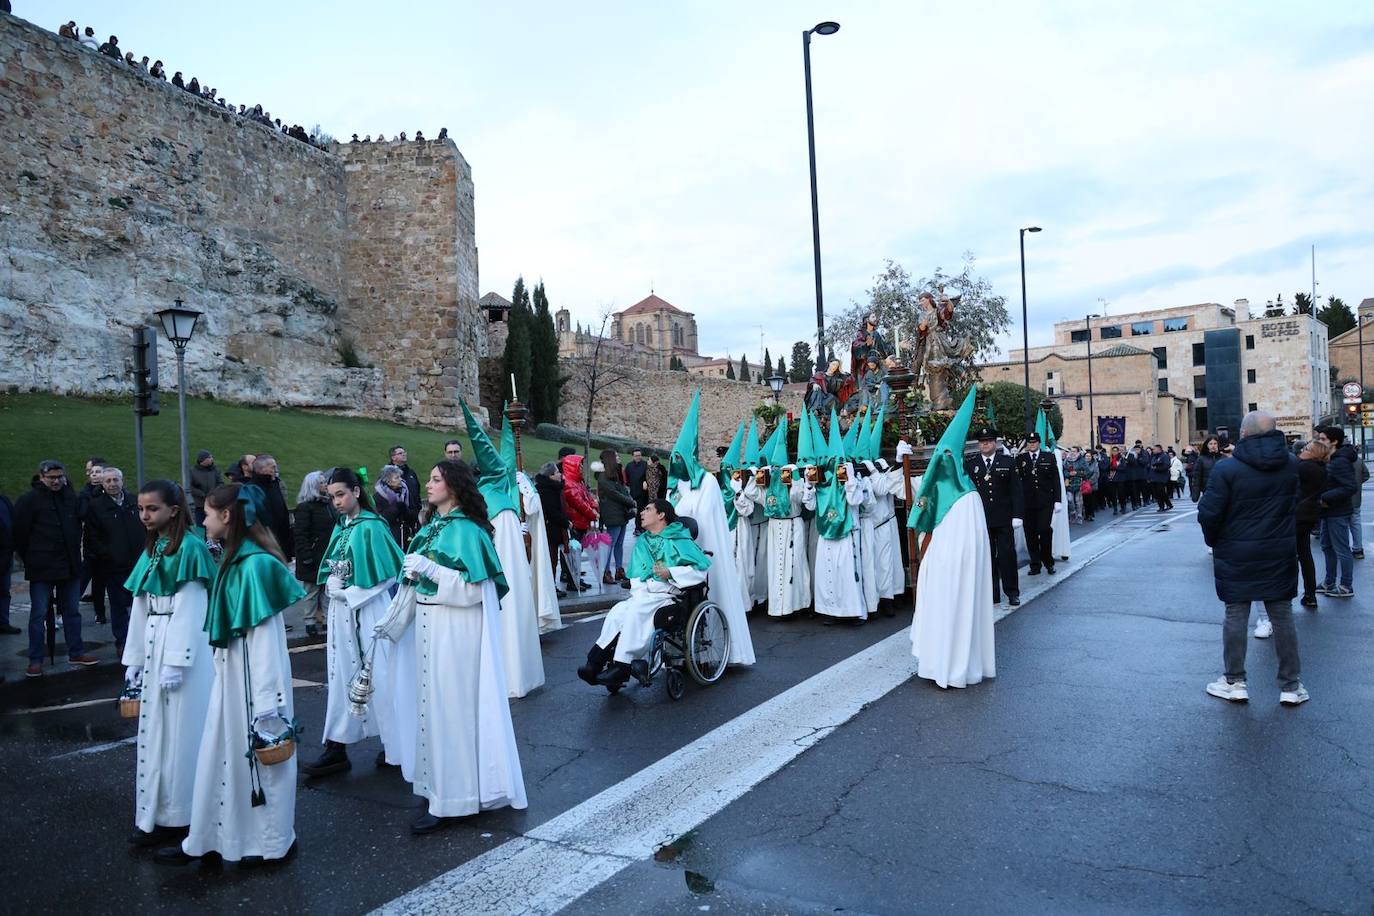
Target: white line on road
(570,855)
(77,705)
(97,748)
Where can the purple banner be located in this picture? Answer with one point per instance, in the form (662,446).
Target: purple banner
(1111,430)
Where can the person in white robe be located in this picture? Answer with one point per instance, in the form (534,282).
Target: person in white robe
(837,581)
(1059,523)
(780,502)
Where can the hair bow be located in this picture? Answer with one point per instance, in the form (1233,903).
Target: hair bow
(254,501)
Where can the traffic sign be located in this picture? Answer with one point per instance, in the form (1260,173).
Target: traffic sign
(1351,391)
(1367,408)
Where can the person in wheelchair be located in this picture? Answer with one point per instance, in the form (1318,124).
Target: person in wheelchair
(665,562)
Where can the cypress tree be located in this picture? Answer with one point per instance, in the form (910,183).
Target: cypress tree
(767,366)
(546,385)
(782,368)
(729,367)
(744,368)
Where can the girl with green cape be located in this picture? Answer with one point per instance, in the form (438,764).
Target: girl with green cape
(466,759)
(359,568)
(168,659)
(241,809)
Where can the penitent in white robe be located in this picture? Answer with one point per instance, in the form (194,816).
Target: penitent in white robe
(633,619)
(353,614)
(758,563)
(838,578)
(466,759)
(520,650)
(713,536)
(1059,523)
(951,634)
(541,561)
(745,542)
(169,631)
(868,572)
(395,700)
(223,818)
(788,566)
(887,545)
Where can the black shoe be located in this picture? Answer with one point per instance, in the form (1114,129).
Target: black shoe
(1034,571)
(259,861)
(1014,601)
(428,823)
(588,674)
(1309,601)
(158,836)
(9,630)
(333,760)
(1050,570)
(172,855)
(1357,554)
(639,669)
(888,607)
(614,676)
(99,618)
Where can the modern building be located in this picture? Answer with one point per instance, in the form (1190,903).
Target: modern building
(1220,366)
(646,335)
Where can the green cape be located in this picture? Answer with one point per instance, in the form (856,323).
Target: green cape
(728,463)
(1046,431)
(250,589)
(944,480)
(682,461)
(456,542)
(777,503)
(494,479)
(833,518)
(162,575)
(367,544)
(673,546)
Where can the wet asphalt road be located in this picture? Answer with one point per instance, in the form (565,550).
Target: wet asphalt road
(1092,775)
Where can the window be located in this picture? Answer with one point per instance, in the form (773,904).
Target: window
(1252,407)
(1175,324)
(1078,336)
(1249,341)
(1049,376)
(1199,354)
(1141,328)
(1109,332)
(1199,386)
(1164,386)
(1162,354)
(1250,377)
(1200,419)
(648,335)
(1050,391)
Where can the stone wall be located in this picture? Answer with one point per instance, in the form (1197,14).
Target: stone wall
(120,193)
(649,407)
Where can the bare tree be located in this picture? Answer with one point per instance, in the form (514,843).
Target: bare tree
(596,373)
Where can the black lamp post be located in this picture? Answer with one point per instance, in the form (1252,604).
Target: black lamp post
(1025,327)
(1092,417)
(821,28)
(179,323)
(776,382)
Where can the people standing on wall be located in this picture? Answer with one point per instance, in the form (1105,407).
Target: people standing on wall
(116,539)
(157,72)
(397,456)
(89,40)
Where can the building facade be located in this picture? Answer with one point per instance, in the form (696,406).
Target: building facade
(1345,349)
(1218,366)
(647,335)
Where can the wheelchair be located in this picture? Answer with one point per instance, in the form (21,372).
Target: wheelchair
(691,639)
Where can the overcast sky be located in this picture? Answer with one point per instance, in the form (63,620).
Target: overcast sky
(1173,152)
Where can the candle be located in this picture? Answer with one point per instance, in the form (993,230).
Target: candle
(897,340)
(513,395)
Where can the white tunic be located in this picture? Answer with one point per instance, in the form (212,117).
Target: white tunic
(887,555)
(169,631)
(633,619)
(395,700)
(868,574)
(524,662)
(1059,524)
(466,759)
(353,614)
(541,561)
(745,541)
(788,567)
(838,582)
(713,536)
(951,634)
(223,818)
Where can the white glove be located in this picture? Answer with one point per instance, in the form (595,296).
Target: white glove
(903,449)
(133,676)
(1016,523)
(171,676)
(736,485)
(417,566)
(1058,506)
(333,587)
(524,529)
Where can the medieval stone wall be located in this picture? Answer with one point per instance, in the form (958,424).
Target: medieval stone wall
(649,406)
(120,193)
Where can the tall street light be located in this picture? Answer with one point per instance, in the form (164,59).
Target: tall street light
(1025,327)
(821,28)
(179,323)
(1092,417)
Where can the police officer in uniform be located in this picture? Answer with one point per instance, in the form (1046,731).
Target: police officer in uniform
(994,473)
(1043,492)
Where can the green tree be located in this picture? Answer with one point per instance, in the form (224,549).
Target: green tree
(980,316)
(519,353)
(1302,304)
(1008,402)
(801,362)
(781,368)
(1337,316)
(744,368)
(546,385)
(767,366)
(729,367)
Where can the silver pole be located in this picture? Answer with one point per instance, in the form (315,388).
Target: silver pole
(138,447)
(181,416)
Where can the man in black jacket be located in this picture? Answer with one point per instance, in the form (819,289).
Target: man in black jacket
(278,519)
(994,474)
(1159,477)
(398,457)
(548,483)
(1248,518)
(117,537)
(1043,492)
(1337,511)
(95,468)
(634,479)
(47,537)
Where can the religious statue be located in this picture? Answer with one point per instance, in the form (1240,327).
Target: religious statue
(868,342)
(833,388)
(938,348)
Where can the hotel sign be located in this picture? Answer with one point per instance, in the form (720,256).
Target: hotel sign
(1274,329)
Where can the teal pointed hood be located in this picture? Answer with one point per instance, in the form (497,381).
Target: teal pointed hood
(944,480)
(682,461)
(491,470)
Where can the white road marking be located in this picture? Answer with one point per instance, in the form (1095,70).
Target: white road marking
(564,858)
(96,748)
(298,682)
(308,648)
(78,705)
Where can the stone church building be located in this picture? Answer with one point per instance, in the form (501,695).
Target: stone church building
(646,335)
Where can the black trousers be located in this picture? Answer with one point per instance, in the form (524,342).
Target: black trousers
(1003,544)
(1305,562)
(1162,497)
(1040,536)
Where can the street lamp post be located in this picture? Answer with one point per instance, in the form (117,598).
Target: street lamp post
(821,28)
(179,323)
(1025,327)
(776,382)
(1092,417)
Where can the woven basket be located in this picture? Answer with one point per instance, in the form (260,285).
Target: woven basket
(275,753)
(128,707)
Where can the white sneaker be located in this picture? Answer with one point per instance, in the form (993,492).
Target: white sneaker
(1222,689)
(1295,696)
(1263,628)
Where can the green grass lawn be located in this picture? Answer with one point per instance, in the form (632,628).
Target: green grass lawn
(38,426)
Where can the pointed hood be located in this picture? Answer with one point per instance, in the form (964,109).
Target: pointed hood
(875,435)
(944,481)
(1042,426)
(731,459)
(852,438)
(752,455)
(835,449)
(775,451)
(491,470)
(806,445)
(682,461)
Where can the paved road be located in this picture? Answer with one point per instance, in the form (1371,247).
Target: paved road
(1093,774)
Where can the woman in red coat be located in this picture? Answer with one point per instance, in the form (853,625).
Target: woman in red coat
(578,502)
